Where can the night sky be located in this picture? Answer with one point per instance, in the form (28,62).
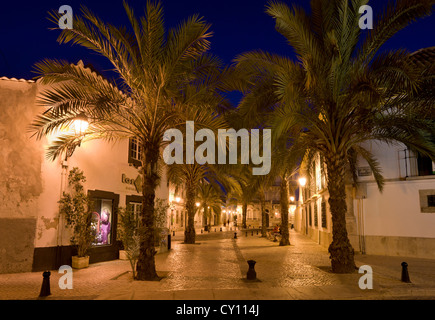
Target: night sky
(238,26)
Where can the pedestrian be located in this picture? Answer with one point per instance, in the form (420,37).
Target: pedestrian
(276,229)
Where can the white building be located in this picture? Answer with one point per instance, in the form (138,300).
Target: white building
(400,221)
(32,233)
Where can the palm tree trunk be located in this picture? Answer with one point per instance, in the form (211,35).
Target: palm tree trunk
(263,215)
(146,268)
(341,251)
(205,217)
(189,232)
(285,237)
(244,209)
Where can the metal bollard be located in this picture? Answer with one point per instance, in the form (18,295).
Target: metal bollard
(405,274)
(201,231)
(45,288)
(221,229)
(235,235)
(251,275)
(173,233)
(246,233)
(252,232)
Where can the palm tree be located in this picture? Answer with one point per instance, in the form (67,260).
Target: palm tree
(210,199)
(153,67)
(341,92)
(191,176)
(243,191)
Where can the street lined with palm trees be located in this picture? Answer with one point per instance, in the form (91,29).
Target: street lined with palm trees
(340,92)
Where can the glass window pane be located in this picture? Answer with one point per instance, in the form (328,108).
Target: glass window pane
(102,221)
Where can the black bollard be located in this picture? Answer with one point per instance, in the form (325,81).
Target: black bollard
(173,233)
(251,275)
(221,229)
(252,232)
(257,232)
(405,274)
(45,288)
(214,229)
(246,233)
(235,235)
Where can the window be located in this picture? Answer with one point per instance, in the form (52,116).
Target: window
(134,203)
(427,200)
(316,216)
(134,152)
(309,215)
(425,166)
(136,207)
(431,200)
(102,221)
(323,214)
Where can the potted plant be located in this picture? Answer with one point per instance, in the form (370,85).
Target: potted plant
(76,207)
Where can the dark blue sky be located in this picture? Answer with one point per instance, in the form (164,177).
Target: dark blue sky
(238,26)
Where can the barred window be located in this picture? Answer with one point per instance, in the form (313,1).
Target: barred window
(309,215)
(324,214)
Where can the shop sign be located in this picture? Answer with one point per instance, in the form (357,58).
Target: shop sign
(364,171)
(137,183)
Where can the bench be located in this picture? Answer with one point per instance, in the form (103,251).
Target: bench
(274,236)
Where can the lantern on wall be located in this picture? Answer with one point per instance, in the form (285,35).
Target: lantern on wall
(81,124)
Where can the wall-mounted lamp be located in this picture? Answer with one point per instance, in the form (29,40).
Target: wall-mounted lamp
(302,181)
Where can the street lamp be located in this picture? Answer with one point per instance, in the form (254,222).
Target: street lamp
(197,204)
(302,181)
(80,125)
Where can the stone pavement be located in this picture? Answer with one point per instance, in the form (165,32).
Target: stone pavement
(215,269)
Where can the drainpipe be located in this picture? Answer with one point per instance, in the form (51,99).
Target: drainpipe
(63,179)
(361,232)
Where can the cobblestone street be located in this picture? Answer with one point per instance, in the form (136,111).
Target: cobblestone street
(215,269)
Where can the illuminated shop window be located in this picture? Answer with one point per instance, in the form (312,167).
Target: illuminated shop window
(102,221)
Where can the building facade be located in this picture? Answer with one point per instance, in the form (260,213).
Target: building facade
(33,235)
(398,221)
